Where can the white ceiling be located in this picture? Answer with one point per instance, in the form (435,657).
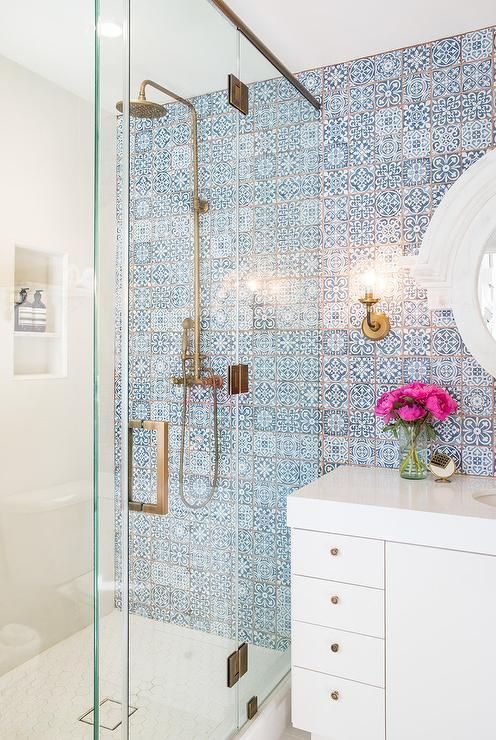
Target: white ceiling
(314,33)
(187,45)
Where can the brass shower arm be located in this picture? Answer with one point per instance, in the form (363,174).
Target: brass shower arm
(160,88)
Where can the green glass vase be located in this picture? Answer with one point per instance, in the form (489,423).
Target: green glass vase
(414,450)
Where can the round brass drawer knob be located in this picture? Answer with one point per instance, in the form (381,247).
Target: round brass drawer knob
(334,599)
(334,551)
(334,695)
(335,647)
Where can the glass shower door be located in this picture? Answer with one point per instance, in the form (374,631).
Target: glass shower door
(177,335)
(280,239)
(215,246)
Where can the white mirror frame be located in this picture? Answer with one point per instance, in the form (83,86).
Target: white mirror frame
(461,228)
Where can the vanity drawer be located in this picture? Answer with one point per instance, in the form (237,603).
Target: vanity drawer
(357,711)
(339,605)
(338,558)
(338,653)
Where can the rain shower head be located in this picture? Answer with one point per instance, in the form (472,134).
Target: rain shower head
(143,108)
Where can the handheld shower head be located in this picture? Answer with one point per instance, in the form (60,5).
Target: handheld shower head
(188,325)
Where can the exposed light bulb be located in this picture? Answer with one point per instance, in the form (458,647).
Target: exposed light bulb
(369,281)
(109,29)
(252,285)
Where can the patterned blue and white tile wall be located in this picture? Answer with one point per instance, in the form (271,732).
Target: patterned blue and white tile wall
(296,213)
(261,249)
(400,128)
(183,566)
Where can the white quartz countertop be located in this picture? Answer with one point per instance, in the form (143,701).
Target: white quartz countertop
(377,503)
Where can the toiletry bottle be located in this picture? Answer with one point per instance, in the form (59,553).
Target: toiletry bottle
(39,313)
(23,315)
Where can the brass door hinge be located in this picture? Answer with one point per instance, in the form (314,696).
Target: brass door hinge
(238,94)
(237,379)
(237,665)
(252,707)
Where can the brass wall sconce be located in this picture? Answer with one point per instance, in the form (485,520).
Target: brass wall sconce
(375,326)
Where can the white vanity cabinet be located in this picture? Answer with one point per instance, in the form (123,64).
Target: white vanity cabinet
(441,644)
(393,608)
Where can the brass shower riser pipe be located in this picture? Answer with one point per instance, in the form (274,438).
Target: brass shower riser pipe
(199,206)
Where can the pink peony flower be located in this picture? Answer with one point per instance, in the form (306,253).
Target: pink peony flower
(415,401)
(385,405)
(440,404)
(411,412)
(418,391)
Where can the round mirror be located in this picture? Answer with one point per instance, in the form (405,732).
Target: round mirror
(487,288)
(457,258)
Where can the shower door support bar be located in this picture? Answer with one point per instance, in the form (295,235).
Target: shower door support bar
(263,49)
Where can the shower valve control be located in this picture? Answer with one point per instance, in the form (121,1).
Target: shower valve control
(206,381)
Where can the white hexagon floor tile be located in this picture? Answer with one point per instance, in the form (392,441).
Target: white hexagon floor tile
(177,683)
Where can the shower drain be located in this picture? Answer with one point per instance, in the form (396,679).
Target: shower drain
(110,714)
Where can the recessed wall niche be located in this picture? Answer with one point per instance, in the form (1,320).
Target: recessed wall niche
(39,317)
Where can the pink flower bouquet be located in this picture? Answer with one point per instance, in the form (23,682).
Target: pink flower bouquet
(410,413)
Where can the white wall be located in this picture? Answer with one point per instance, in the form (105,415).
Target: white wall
(46,202)
(46,146)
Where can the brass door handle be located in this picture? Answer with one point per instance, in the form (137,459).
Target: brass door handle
(334,599)
(162,429)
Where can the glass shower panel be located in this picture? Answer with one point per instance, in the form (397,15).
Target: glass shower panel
(46,267)
(111,203)
(279,338)
(182,319)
